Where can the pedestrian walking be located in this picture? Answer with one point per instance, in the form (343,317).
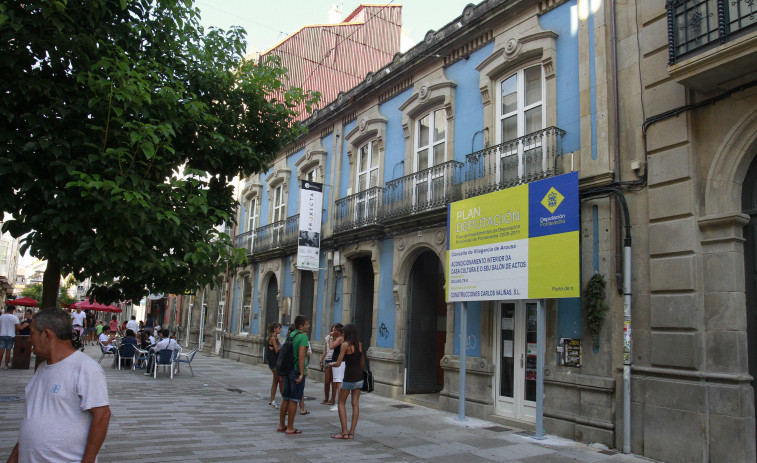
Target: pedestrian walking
(8,331)
(271,354)
(294,381)
(67,411)
(352,354)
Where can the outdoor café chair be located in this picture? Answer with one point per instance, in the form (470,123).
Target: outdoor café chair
(166,358)
(185,357)
(141,357)
(106,351)
(127,352)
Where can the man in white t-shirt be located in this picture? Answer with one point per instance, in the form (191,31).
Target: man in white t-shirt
(67,412)
(106,339)
(79,320)
(132,324)
(8,331)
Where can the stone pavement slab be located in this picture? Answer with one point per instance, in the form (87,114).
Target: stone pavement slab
(221,415)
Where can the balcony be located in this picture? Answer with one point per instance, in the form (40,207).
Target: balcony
(278,235)
(427,190)
(522,160)
(245,241)
(711,42)
(360,210)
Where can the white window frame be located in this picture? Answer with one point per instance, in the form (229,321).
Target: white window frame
(363,201)
(252,222)
(520,114)
(420,180)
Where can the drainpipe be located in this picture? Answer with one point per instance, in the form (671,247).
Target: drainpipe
(626,309)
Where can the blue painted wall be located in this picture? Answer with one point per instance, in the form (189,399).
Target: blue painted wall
(336,308)
(386,309)
(318,318)
(328,145)
(344,175)
(469,109)
(473,348)
(561,20)
(293,201)
(394,147)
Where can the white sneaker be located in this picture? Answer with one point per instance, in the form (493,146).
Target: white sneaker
(334,409)
(273,404)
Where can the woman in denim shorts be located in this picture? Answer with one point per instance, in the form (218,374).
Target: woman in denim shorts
(351,353)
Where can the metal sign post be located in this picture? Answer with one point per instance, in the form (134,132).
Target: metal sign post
(463,358)
(540,328)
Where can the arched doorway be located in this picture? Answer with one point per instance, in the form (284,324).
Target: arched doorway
(749,207)
(427,325)
(271,301)
(362,300)
(307,291)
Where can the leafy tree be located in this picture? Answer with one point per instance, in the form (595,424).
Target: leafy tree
(122,124)
(33,291)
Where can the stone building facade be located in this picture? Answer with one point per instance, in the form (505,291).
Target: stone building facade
(637,97)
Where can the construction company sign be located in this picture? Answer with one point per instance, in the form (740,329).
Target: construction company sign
(518,243)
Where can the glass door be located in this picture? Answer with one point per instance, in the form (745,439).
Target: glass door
(516,364)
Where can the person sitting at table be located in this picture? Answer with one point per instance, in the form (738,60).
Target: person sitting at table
(106,339)
(25,328)
(165,343)
(144,340)
(130,338)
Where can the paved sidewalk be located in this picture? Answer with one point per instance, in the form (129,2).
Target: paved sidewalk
(221,414)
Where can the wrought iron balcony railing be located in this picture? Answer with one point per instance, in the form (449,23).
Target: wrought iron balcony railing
(277,235)
(424,190)
(245,240)
(358,210)
(698,24)
(522,160)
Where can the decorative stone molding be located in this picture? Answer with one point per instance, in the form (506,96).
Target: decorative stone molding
(436,92)
(314,158)
(371,125)
(517,50)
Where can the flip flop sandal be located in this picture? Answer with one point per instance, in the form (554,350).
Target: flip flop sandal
(350,436)
(340,436)
(306,412)
(281,429)
(296,431)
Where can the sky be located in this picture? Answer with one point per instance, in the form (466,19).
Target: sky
(268,22)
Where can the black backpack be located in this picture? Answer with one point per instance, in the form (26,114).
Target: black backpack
(285,360)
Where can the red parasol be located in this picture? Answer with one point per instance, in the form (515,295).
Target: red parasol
(24,301)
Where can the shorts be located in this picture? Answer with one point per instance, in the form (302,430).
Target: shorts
(92,329)
(351,386)
(6,342)
(338,373)
(293,392)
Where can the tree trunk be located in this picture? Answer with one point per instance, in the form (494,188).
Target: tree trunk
(51,283)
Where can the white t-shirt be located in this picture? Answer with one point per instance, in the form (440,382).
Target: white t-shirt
(79,318)
(56,417)
(8,323)
(167,343)
(103,339)
(329,350)
(132,325)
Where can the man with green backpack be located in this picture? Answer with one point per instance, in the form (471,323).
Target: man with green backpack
(291,365)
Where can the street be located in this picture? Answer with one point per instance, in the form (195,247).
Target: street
(221,414)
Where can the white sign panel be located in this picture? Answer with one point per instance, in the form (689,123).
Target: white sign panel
(309,242)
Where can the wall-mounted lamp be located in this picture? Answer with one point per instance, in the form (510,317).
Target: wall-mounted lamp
(337,261)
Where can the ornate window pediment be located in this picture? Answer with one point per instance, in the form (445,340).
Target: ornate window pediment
(313,159)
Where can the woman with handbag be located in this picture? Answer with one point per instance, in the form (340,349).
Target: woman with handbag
(353,356)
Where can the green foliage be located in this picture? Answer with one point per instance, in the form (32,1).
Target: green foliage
(121,126)
(595,305)
(33,291)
